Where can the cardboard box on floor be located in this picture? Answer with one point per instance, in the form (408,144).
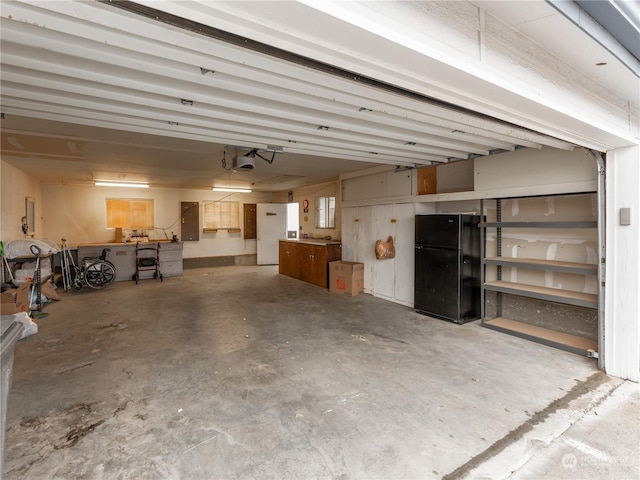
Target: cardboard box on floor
(346,277)
(15,300)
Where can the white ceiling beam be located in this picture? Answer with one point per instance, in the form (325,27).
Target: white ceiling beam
(69,88)
(471,123)
(101,119)
(97,73)
(106,78)
(333,153)
(164,113)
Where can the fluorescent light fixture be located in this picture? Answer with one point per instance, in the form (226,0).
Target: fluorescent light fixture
(122,184)
(231,189)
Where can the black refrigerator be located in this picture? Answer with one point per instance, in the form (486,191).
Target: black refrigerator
(447,266)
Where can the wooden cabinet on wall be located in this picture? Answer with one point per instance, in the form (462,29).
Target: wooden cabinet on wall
(249,210)
(308,260)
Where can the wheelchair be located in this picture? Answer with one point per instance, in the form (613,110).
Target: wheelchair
(96,273)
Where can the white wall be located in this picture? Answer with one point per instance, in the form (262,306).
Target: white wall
(622,301)
(562,171)
(78,213)
(389,183)
(17,185)
(455,176)
(523,172)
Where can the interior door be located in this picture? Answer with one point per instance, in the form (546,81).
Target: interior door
(271,226)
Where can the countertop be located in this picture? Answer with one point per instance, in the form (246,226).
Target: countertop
(121,243)
(312,241)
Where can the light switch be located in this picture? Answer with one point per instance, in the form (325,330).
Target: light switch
(625,216)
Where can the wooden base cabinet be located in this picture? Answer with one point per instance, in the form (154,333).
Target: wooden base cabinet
(308,260)
(288,263)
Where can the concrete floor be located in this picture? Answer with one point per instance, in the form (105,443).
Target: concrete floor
(239,373)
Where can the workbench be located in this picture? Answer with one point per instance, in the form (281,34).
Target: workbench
(123,257)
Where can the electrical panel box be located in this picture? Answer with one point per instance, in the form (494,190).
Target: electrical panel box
(190,221)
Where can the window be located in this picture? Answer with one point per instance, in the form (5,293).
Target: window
(326,212)
(221,215)
(130,213)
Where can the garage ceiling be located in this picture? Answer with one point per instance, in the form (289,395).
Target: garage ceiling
(98,91)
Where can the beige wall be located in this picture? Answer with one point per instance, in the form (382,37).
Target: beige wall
(308,220)
(17,185)
(78,213)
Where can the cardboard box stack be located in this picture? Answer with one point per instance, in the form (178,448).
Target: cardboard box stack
(15,300)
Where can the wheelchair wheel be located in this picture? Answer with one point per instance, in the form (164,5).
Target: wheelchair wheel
(100,274)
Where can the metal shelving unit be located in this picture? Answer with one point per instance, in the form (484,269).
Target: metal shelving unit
(37,281)
(566,341)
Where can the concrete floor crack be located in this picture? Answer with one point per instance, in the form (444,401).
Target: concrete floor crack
(579,389)
(74,368)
